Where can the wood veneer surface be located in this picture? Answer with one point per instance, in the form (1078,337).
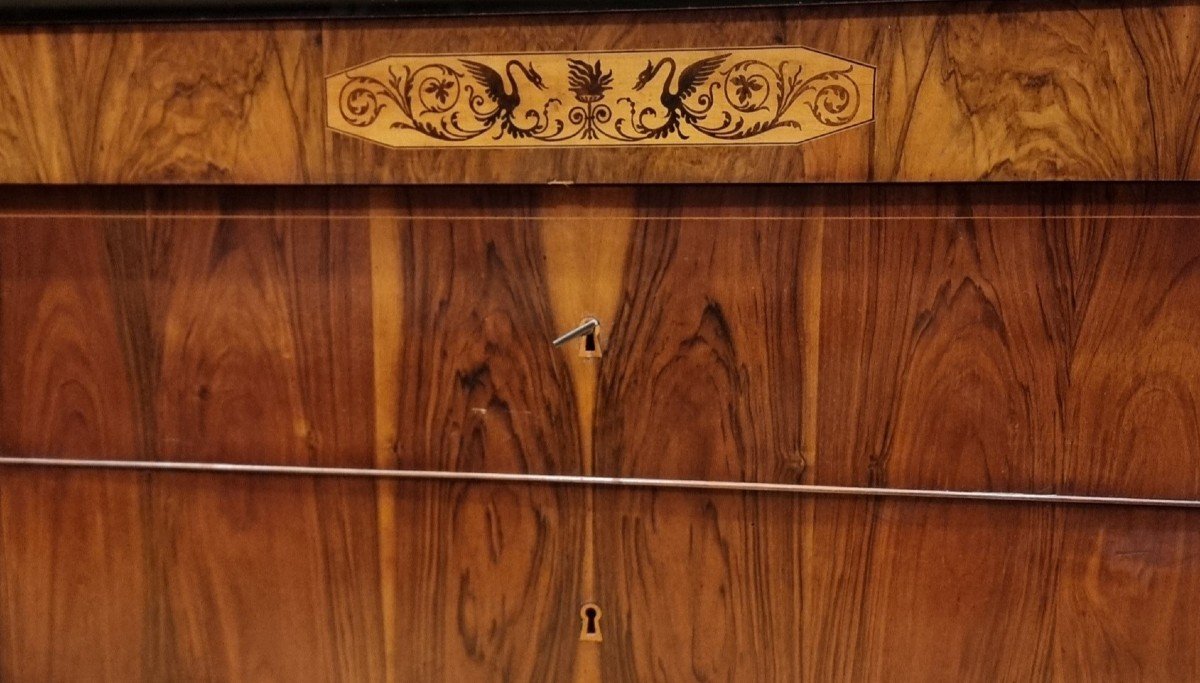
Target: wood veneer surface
(963,91)
(124,576)
(1036,339)
(1006,337)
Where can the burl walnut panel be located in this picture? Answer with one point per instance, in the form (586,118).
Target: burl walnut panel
(1039,90)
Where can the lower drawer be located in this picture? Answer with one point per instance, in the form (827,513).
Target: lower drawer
(167,576)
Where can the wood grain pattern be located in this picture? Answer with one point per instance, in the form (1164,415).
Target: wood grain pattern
(212,339)
(73,599)
(1012,337)
(903,589)
(161,104)
(1131,412)
(204,578)
(911,590)
(221,338)
(699,586)
(70,574)
(484,390)
(1102,628)
(999,342)
(942,345)
(1012,354)
(932,591)
(487,581)
(963,92)
(488,578)
(261,578)
(710,379)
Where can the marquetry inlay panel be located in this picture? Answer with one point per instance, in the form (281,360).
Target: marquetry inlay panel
(776,95)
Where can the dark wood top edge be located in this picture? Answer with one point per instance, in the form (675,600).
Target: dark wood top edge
(129,11)
(721,201)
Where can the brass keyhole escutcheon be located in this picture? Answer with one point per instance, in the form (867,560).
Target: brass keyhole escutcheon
(589,630)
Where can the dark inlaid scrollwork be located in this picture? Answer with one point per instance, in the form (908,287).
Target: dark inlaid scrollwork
(676,97)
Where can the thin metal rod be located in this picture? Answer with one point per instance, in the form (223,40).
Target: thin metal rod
(591,480)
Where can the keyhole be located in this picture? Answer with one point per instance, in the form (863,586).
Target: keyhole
(591,345)
(590,614)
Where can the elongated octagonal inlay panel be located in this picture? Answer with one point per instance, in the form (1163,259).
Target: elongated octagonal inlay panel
(772,95)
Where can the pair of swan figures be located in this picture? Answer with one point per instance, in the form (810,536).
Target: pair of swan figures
(589,83)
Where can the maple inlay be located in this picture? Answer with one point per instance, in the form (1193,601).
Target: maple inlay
(778,95)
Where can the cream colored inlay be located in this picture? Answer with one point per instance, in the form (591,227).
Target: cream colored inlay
(772,95)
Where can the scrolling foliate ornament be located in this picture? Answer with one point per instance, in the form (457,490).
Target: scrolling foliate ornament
(777,95)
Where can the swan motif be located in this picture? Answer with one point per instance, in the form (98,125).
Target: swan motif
(507,99)
(690,79)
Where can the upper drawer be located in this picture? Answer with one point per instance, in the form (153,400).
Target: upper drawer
(924,91)
(1041,340)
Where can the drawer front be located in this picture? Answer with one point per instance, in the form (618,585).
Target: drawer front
(235,577)
(1012,348)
